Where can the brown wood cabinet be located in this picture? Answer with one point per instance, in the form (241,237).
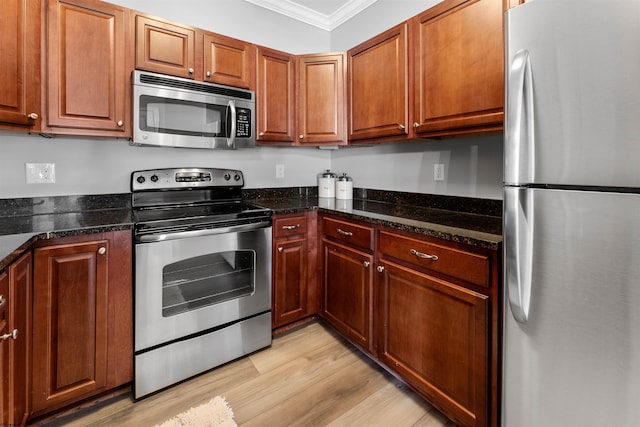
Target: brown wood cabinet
(82,331)
(378,88)
(88,69)
(20,64)
(290,269)
(433,330)
(15,324)
(347,263)
(459,82)
(179,50)
(275,97)
(322,99)
(229,61)
(165,47)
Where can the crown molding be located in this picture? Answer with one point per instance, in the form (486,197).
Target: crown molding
(309,16)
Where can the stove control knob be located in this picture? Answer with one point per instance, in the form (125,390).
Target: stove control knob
(140,179)
(236,177)
(154,178)
(227,177)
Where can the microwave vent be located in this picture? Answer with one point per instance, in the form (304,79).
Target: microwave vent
(195,86)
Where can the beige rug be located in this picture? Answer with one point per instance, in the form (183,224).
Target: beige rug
(214,413)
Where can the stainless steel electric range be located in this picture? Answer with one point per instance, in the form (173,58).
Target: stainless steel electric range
(202,273)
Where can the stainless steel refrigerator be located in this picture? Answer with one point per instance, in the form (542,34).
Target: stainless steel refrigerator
(571,353)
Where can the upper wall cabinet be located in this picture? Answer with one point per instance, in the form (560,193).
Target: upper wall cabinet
(275,97)
(164,47)
(459,85)
(88,70)
(229,61)
(182,51)
(378,86)
(20,64)
(322,99)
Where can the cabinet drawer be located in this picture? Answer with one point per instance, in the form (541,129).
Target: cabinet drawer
(290,226)
(454,262)
(348,232)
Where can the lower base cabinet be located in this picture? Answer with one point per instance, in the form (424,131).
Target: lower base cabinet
(434,319)
(82,331)
(15,321)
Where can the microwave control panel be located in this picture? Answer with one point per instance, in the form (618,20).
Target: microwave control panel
(243,123)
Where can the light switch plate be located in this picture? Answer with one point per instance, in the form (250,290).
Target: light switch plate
(40,173)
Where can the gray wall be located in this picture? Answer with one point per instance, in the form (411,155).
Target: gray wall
(473,166)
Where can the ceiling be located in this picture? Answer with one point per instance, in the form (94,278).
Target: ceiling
(325,14)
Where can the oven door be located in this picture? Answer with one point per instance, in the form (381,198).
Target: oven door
(193,285)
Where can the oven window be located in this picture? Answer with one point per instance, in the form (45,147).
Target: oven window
(180,117)
(208,279)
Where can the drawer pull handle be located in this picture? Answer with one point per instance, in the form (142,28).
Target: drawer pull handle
(13,334)
(345,233)
(290,227)
(423,255)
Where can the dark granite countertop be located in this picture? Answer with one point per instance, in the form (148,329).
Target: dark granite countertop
(472,221)
(25,221)
(476,222)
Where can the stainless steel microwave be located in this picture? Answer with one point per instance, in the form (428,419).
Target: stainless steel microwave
(174,112)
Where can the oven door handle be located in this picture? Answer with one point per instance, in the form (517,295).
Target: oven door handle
(151,238)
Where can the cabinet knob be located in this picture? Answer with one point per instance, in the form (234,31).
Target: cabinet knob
(366,263)
(280,249)
(301,136)
(416,125)
(33,116)
(380,268)
(261,134)
(190,70)
(401,127)
(208,73)
(3,300)
(13,334)
(120,123)
(102,250)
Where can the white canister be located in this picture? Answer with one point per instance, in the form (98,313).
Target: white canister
(344,188)
(327,184)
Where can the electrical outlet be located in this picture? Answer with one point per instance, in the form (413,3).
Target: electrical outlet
(279,171)
(40,173)
(438,172)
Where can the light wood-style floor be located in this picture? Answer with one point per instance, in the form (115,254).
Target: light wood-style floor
(308,377)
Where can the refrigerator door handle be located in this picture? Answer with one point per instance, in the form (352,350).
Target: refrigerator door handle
(518,246)
(519,136)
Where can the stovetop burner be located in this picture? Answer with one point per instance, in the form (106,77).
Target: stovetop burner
(186,199)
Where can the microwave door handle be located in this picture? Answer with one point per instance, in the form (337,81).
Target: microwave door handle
(232,135)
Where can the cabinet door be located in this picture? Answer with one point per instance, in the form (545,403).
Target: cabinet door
(459,68)
(290,282)
(70,322)
(379,86)
(20,65)
(435,335)
(321,97)
(15,323)
(347,303)
(229,61)
(163,47)
(87,70)
(275,102)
